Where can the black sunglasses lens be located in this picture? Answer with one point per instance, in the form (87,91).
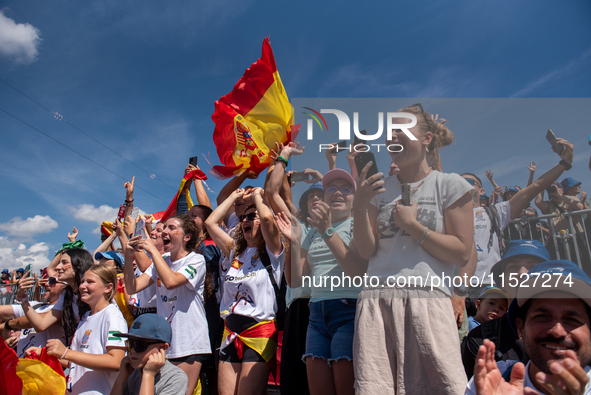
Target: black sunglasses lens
(252,216)
(138,345)
(52,281)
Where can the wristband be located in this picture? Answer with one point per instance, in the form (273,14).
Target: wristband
(424,235)
(7,326)
(22,300)
(282,159)
(565,164)
(64,354)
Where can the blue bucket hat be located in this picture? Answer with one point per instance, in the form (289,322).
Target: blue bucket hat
(20,270)
(568,183)
(5,271)
(565,276)
(533,248)
(304,198)
(150,328)
(117,257)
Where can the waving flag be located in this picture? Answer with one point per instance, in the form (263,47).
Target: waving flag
(171,210)
(251,118)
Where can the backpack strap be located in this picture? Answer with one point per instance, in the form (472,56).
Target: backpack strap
(267,264)
(491,330)
(493,214)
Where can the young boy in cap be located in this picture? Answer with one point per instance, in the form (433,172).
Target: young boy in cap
(492,303)
(145,370)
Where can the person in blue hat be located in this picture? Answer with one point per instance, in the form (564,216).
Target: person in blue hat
(111,258)
(5,277)
(553,320)
(562,199)
(145,369)
(519,257)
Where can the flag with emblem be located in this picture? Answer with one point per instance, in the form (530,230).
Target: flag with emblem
(252,118)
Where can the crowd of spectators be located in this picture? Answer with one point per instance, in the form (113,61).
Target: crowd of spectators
(223,299)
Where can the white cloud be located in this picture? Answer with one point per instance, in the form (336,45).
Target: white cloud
(89,213)
(18,41)
(26,228)
(14,255)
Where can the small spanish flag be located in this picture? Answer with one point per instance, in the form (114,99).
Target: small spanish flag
(171,210)
(252,118)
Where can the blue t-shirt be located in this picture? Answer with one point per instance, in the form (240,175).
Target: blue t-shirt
(472,323)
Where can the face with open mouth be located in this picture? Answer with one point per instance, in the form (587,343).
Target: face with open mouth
(251,228)
(339,195)
(173,235)
(156,236)
(413,150)
(554,324)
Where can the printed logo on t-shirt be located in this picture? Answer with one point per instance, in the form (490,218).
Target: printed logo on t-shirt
(236,264)
(85,338)
(479,215)
(387,229)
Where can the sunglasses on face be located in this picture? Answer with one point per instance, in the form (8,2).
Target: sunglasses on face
(472,182)
(138,345)
(250,216)
(54,281)
(344,190)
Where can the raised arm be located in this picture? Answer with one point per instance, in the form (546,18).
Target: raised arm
(227,191)
(132,284)
(213,222)
(169,278)
(104,246)
(365,214)
(489,175)
(269,227)
(523,197)
(275,181)
(200,192)
(532,169)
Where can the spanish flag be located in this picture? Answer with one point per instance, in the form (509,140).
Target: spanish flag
(171,210)
(38,374)
(252,118)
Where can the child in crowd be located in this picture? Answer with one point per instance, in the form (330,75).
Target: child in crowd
(145,369)
(492,303)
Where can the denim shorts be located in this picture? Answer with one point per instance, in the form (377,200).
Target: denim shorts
(331,329)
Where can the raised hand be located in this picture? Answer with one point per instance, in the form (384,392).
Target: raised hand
(532,166)
(488,379)
(55,348)
(155,362)
(295,149)
(284,224)
(320,217)
(129,189)
(316,176)
(367,188)
(23,284)
(568,377)
(567,153)
(489,174)
(72,236)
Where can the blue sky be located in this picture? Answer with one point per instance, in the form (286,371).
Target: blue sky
(141,77)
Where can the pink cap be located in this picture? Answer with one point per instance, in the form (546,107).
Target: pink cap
(336,174)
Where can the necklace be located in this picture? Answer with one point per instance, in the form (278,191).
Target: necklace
(421,183)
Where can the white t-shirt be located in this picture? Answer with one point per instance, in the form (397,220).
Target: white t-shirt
(488,255)
(93,335)
(247,287)
(233,220)
(183,306)
(59,305)
(29,337)
(398,254)
(146,298)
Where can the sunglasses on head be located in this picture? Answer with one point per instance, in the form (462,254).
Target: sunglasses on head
(344,190)
(250,216)
(419,106)
(138,345)
(472,182)
(54,280)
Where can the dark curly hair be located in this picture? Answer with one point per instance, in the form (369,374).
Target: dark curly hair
(189,228)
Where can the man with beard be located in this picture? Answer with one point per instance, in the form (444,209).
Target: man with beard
(553,320)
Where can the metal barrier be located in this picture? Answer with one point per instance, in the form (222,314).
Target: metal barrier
(8,293)
(565,244)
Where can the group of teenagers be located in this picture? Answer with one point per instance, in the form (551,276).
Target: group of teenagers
(205,285)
